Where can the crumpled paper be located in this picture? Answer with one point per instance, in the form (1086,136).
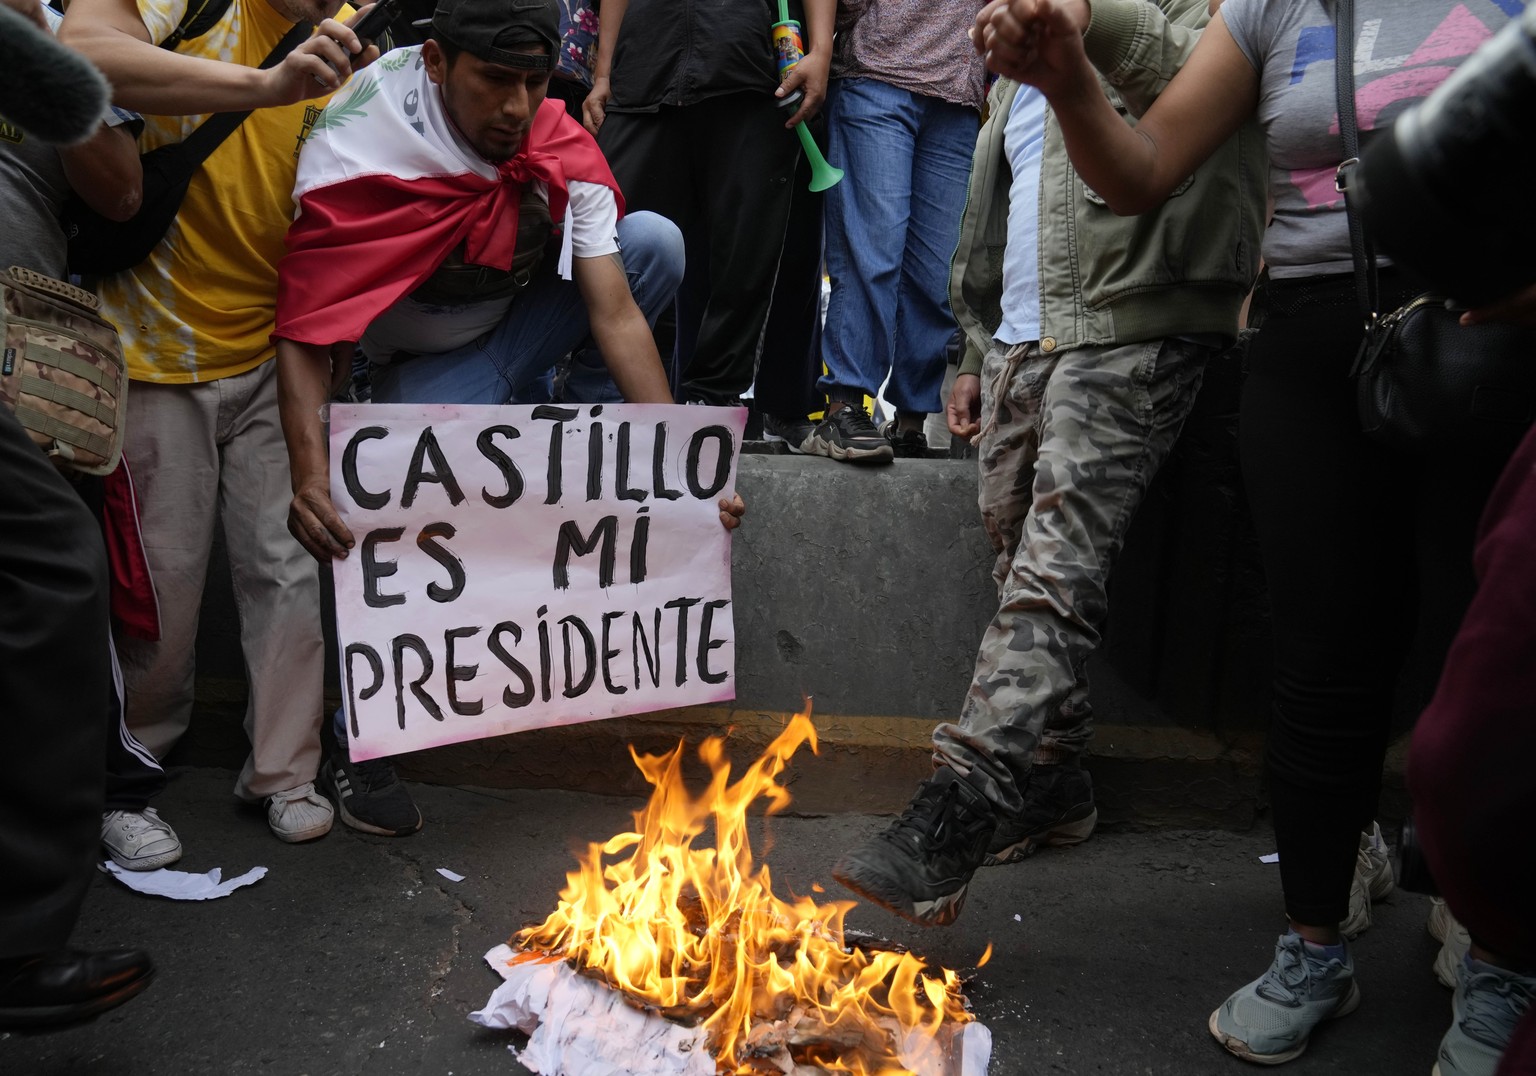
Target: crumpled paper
(578,1027)
(183,885)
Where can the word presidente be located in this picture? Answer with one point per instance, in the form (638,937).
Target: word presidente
(586,654)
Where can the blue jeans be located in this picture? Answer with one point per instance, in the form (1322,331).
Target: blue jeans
(892,227)
(512,362)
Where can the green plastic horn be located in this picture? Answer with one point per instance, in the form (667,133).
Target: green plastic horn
(788,49)
(823,175)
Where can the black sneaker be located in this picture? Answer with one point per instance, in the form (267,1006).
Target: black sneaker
(906,444)
(920,866)
(794,431)
(1058,810)
(849,434)
(369,796)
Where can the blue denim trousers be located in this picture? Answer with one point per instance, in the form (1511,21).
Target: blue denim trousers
(512,363)
(892,226)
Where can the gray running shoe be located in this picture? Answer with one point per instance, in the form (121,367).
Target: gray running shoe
(1489,1002)
(1058,811)
(1268,1021)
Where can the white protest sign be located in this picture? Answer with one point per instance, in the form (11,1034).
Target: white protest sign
(522,567)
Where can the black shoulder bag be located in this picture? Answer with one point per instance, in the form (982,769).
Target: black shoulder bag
(1425,383)
(98,246)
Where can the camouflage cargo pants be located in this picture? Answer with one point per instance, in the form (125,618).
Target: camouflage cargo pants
(1069,443)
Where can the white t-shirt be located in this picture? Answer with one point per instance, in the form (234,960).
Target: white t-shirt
(1023,142)
(426,329)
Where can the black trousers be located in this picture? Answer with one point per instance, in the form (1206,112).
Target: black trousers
(134,777)
(54,683)
(721,171)
(1363,549)
(790,362)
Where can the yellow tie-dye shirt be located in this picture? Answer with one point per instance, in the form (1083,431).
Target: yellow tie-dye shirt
(201,306)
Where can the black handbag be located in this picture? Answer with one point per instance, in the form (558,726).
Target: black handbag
(1424,382)
(98,246)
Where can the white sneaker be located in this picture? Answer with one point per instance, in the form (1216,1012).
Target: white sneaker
(299,814)
(1372,881)
(139,840)
(1454,942)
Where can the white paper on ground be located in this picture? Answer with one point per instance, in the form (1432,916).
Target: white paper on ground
(182,885)
(452,876)
(1273,857)
(578,1027)
(970,1043)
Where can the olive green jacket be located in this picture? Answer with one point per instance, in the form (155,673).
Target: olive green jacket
(1179,270)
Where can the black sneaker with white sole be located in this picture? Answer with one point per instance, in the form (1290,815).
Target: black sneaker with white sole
(369,796)
(920,866)
(906,444)
(849,434)
(794,432)
(1058,810)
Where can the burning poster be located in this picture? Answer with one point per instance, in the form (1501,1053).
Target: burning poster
(667,958)
(522,567)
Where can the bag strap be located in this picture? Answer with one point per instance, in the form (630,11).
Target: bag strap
(212,132)
(200,17)
(1367,290)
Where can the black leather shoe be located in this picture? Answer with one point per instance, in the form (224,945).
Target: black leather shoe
(69,986)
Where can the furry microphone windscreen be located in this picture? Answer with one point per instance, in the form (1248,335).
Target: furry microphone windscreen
(50,92)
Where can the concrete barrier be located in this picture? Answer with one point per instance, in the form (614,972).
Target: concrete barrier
(868,590)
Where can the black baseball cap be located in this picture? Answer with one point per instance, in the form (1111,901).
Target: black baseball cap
(490,29)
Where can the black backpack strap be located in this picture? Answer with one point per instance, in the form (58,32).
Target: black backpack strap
(201,143)
(200,17)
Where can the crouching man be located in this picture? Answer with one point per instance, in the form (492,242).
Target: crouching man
(429,196)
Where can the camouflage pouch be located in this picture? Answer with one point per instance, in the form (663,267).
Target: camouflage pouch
(62,371)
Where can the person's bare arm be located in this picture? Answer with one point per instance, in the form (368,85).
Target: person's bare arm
(608,22)
(810,74)
(1132,169)
(304,381)
(147,78)
(963,411)
(620,331)
(105,172)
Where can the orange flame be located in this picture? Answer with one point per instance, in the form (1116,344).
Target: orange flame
(698,933)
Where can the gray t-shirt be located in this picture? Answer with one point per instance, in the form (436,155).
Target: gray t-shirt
(33,188)
(1403,50)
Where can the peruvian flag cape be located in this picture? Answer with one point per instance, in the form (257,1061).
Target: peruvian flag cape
(386,190)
